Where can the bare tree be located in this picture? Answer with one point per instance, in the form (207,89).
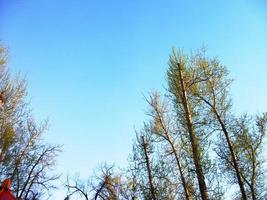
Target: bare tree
(105,185)
(78,187)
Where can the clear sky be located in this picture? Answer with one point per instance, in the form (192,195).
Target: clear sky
(88,63)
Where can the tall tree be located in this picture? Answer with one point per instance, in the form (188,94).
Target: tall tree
(165,128)
(248,145)
(145,168)
(193,146)
(210,86)
(154,173)
(179,78)
(148,167)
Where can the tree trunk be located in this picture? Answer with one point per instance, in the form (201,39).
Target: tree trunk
(171,143)
(233,155)
(149,171)
(252,185)
(193,139)
(187,196)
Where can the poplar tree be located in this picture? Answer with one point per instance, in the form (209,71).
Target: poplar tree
(180,78)
(211,87)
(165,128)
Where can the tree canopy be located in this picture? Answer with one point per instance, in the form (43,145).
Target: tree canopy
(194,146)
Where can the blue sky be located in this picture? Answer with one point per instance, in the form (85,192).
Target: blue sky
(88,63)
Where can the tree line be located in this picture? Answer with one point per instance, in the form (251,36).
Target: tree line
(193,146)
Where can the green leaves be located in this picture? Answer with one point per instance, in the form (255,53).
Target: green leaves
(7,138)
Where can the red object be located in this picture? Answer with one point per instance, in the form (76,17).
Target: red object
(5,193)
